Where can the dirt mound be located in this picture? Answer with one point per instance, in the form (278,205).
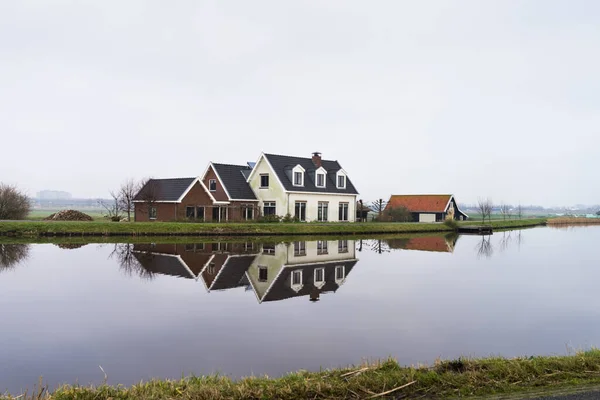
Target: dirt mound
(70,246)
(69,215)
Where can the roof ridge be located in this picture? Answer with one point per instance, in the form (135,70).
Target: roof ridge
(232,165)
(304,158)
(167,179)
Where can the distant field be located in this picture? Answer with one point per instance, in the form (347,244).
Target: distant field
(500,217)
(36,215)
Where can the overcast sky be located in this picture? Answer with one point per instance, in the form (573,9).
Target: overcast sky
(476,98)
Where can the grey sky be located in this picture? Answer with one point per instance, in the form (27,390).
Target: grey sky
(477,98)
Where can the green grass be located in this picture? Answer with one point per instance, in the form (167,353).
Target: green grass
(104,228)
(447,379)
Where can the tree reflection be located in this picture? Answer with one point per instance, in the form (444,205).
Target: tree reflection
(485,247)
(129,261)
(12,254)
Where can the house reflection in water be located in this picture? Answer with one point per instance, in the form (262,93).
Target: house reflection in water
(274,272)
(437,243)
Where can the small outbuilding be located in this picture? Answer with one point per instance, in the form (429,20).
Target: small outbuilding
(428,207)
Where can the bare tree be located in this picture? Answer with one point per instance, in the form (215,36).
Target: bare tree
(484,207)
(113,209)
(14,204)
(504,210)
(485,247)
(379,206)
(148,194)
(130,263)
(12,254)
(126,194)
(520,211)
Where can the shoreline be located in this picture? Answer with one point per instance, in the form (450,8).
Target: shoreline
(385,379)
(135,229)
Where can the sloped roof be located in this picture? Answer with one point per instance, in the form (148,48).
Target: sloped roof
(234,179)
(433,203)
(281,290)
(164,264)
(436,243)
(233,272)
(164,189)
(283,166)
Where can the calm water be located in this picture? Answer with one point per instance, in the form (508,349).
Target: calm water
(163,310)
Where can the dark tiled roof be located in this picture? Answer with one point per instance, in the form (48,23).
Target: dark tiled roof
(281,289)
(232,177)
(162,264)
(164,189)
(283,166)
(233,273)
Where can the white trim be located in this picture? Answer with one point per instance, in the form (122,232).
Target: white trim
(326,263)
(220,180)
(296,287)
(210,181)
(340,281)
(156,201)
(319,284)
(333,194)
(229,257)
(262,155)
(188,189)
(321,171)
(202,270)
(459,210)
(298,170)
(339,173)
(178,257)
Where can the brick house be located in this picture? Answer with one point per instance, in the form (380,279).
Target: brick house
(220,194)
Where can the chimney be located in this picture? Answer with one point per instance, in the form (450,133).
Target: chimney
(316,159)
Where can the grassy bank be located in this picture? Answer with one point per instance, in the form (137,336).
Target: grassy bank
(574,221)
(97,228)
(458,378)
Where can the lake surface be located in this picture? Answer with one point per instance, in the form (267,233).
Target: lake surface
(167,310)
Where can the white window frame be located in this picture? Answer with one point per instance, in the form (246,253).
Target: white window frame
(322,247)
(347,207)
(342,268)
(305,208)
(152,213)
(337,180)
(321,283)
(268,181)
(269,202)
(299,248)
(296,286)
(324,216)
(298,170)
(323,172)
(343,246)
(210,184)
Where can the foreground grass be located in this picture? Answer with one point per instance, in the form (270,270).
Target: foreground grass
(97,228)
(458,378)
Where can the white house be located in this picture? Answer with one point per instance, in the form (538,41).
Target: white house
(311,189)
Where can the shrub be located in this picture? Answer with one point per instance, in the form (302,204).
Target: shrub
(452,224)
(289,219)
(269,218)
(398,214)
(14,204)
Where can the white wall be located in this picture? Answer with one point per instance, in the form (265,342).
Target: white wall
(312,201)
(312,255)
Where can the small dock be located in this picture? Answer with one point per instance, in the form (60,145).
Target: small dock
(475,229)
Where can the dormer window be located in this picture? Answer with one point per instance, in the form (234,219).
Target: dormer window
(320,178)
(341,180)
(298,176)
(212,185)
